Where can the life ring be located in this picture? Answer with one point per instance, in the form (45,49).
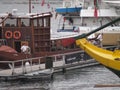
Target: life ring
(16,34)
(8,34)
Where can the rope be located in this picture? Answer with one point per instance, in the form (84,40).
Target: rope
(5,18)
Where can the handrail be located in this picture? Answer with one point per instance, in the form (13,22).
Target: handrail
(5,18)
(24,68)
(30,59)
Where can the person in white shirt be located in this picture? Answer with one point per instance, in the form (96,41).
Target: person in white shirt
(25,49)
(96,40)
(92,38)
(99,39)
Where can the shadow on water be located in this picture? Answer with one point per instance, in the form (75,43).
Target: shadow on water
(25,85)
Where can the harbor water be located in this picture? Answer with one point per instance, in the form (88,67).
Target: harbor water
(78,79)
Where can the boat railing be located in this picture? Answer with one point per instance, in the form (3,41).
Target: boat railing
(72,3)
(29,65)
(67,26)
(34,64)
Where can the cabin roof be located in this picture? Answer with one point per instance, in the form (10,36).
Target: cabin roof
(25,15)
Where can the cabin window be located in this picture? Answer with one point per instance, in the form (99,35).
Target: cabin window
(11,22)
(25,22)
(46,22)
(41,22)
(35,22)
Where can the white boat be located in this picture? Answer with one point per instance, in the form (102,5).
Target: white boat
(94,13)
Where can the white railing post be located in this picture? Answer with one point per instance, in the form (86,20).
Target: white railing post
(55,58)
(63,60)
(23,67)
(31,63)
(13,66)
(63,69)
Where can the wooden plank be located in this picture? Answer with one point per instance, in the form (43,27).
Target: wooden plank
(106,85)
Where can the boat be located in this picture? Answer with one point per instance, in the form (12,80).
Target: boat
(109,59)
(72,7)
(28,35)
(24,36)
(93,14)
(32,30)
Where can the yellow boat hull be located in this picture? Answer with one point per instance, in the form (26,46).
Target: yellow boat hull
(110,59)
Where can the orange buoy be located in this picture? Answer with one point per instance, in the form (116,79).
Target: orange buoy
(8,34)
(17,34)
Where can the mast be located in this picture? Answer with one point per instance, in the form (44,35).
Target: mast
(29,6)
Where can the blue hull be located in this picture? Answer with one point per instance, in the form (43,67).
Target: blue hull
(68,10)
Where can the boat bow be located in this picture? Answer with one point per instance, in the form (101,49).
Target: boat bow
(110,59)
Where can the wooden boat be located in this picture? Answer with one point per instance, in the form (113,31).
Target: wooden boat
(32,30)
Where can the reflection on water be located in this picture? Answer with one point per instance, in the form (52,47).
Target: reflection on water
(79,79)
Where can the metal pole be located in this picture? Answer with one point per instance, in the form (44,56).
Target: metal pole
(29,6)
(83,3)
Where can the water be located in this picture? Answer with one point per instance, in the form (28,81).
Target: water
(79,79)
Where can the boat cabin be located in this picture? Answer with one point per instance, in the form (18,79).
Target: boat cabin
(31,29)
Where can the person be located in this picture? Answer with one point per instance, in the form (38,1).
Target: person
(91,38)
(99,39)
(22,24)
(25,49)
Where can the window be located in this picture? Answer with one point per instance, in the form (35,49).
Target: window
(35,22)
(41,22)
(10,23)
(25,22)
(46,22)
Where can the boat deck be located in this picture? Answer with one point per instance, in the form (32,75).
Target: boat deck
(41,70)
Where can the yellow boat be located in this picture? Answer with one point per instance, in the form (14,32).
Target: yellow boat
(110,59)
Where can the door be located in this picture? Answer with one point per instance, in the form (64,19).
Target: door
(0,32)
(17,45)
